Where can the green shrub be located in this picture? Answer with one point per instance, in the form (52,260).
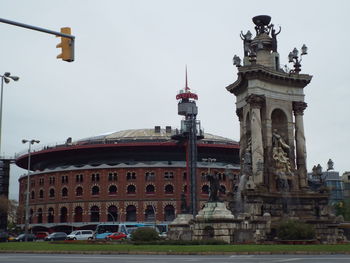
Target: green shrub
(144,234)
(295,230)
(183,242)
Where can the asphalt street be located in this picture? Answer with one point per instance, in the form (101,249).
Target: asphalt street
(67,258)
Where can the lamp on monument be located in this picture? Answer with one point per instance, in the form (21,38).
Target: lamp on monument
(293,57)
(304,50)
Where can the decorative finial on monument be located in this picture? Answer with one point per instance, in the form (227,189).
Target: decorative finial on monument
(262,24)
(236,61)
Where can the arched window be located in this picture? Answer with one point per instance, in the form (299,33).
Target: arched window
(79,191)
(112,214)
(131,189)
(78,214)
(94,214)
(150,189)
(33,195)
(205,189)
(130,176)
(40,215)
(50,215)
(41,193)
(131,213)
(63,216)
(280,123)
(52,193)
(169,213)
(149,213)
(169,189)
(112,190)
(95,190)
(64,192)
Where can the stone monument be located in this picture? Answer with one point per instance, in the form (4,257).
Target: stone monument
(214,221)
(270,106)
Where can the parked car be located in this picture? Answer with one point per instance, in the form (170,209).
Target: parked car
(55,236)
(116,236)
(22,237)
(3,236)
(81,235)
(11,238)
(41,235)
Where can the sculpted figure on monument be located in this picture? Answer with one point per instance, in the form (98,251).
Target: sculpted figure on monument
(247,39)
(247,158)
(274,38)
(280,152)
(330,165)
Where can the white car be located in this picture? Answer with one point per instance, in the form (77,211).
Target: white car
(81,235)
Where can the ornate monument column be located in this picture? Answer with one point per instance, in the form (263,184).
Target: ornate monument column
(239,113)
(257,150)
(298,108)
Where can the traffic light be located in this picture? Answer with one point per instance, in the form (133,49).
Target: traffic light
(66,45)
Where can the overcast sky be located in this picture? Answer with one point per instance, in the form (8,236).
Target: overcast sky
(130,63)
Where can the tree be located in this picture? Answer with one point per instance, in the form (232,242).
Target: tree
(8,207)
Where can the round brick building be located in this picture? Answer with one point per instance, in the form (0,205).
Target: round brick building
(132,175)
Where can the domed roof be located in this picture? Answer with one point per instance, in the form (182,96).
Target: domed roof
(150,135)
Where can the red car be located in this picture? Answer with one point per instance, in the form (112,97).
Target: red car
(116,236)
(41,235)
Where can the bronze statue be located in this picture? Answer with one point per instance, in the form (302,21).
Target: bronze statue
(214,187)
(184,207)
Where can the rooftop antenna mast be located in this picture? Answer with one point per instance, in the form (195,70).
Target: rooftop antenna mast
(189,133)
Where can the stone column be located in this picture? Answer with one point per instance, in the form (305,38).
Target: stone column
(242,143)
(299,107)
(256,102)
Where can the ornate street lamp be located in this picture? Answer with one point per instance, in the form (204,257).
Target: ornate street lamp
(4,78)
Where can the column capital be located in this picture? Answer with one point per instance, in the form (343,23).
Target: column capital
(299,107)
(239,113)
(255,101)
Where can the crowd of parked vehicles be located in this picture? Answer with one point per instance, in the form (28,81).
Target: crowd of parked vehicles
(104,231)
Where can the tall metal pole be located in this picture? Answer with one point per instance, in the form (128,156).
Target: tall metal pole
(193,163)
(26,226)
(6,77)
(2,87)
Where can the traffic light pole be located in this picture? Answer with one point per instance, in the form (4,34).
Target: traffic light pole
(40,29)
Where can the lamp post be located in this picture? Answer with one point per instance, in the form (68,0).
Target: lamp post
(4,78)
(209,160)
(30,142)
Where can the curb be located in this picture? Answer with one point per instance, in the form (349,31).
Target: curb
(176,253)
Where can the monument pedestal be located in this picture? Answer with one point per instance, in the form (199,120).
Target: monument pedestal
(214,221)
(180,228)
